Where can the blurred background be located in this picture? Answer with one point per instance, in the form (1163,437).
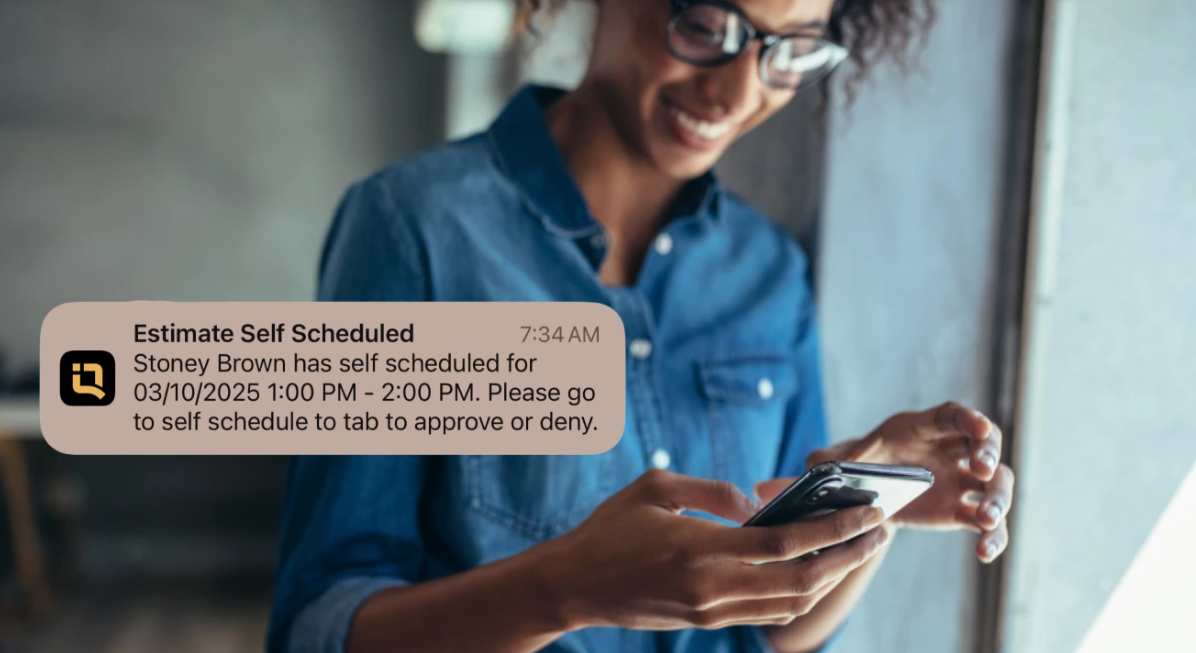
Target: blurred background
(1009,223)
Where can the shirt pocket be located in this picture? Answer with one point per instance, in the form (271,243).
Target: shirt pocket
(538,497)
(746,398)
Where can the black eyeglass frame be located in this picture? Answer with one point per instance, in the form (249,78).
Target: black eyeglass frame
(767,40)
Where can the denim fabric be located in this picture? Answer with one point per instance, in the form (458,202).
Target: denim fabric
(724,382)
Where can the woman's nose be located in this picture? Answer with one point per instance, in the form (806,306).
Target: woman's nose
(734,88)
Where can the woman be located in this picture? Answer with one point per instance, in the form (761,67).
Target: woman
(604,194)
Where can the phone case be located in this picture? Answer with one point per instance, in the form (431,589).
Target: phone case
(833,486)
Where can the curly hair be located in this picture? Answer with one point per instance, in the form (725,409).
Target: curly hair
(871,30)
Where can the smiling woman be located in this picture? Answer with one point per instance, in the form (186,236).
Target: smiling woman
(606,194)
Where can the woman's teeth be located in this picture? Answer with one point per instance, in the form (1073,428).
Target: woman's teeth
(701,128)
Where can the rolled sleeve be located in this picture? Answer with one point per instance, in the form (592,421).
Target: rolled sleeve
(323,626)
(350,528)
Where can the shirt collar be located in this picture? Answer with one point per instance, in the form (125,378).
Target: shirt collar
(527,152)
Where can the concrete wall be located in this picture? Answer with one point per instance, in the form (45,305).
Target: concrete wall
(194,150)
(906,288)
(779,167)
(189,151)
(1109,420)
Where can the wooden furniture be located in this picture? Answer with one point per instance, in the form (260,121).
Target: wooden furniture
(19,420)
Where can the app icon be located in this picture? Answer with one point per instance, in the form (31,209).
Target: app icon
(87,378)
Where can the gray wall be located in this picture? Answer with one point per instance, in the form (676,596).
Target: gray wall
(189,151)
(906,288)
(779,168)
(1109,421)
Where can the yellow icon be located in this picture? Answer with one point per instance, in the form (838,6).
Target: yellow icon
(77,380)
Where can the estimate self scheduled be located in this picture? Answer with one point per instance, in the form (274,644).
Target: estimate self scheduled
(275,333)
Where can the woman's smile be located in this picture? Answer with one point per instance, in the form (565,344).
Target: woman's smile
(694,132)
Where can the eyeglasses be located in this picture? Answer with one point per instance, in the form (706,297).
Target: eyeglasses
(710,33)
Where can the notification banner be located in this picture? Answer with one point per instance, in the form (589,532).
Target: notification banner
(431,378)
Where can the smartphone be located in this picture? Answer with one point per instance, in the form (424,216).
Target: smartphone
(832,486)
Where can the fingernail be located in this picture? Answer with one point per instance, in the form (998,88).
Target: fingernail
(874,517)
(993,512)
(882,536)
(988,424)
(990,550)
(988,459)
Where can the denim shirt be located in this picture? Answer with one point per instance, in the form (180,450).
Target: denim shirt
(723,377)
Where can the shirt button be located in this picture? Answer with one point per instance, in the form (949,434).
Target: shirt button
(664,244)
(641,348)
(598,240)
(764,387)
(661,459)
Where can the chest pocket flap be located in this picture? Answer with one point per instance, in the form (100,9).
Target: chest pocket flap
(750,379)
(746,396)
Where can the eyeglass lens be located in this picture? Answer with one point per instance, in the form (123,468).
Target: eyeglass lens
(708,34)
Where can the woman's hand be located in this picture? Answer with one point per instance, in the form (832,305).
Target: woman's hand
(637,562)
(962,447)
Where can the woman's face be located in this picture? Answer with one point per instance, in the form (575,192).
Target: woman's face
(679,116)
